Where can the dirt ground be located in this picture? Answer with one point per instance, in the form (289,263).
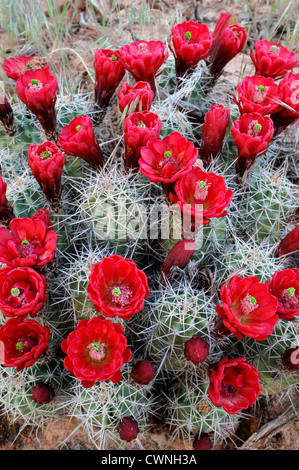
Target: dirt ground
(275,425)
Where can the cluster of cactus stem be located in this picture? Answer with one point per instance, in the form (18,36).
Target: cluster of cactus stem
(241,243)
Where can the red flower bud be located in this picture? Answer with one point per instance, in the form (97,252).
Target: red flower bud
(46,161)
(289,95)
(28,242)
(213,132)
(22,342)
(290,358)
(22,292)
(191,42)
(202,195)
(16,66)
(135,98)
(179,255)
(138,129)
(143,372)
(228,41)
(168,159)
(43,393)
(248,308)
(109,72)
(143,60)
(78,139)
(196,350)
(96,351)
(7,117)
(117,288)
(202,442)
(289,244)
(252,134)
(128,429)
(234,385)
(258,95)
(272,60)
(37,89)
(6,210)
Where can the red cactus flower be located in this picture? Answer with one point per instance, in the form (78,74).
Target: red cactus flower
(46,161)
(252,134)
(22,292)
(272,60)
(143,372)
(16,66)
(284,285)
(138,129)
(228,41)
(117,288)
(128,429)
(213,132)
(258,95)
(234,385)
(109,72)
(96,351)
(202,442)
(6,210)
(7,117)
(289,95)
(37,89)
(290,358)
(191,42)
(196,350)
(289,244)
(28,242)
(168,159)
(135,98)
(143,60)
(201,194)
(22,342)
(78,139)
(179,255)
(43,393)
(248,308)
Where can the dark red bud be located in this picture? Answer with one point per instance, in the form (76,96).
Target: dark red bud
(196,350)
(202,442)
(43,393)
(143,372)
(128,429)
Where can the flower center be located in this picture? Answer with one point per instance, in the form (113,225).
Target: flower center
(141,124)
(236,32)
(45,154)
(35,85)
(201,190)
(113,58)
(289,299)
(274,50)
(25,242)
(142,47)
(167,154)
(248,304)
(254,128)
(25,248)
(188,35)
(227,390)
(15,292)
(120,295)
(25,344)
(96,351)
(78,128)
(260,93)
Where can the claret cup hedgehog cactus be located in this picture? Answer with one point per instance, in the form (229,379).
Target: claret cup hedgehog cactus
(146,270)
